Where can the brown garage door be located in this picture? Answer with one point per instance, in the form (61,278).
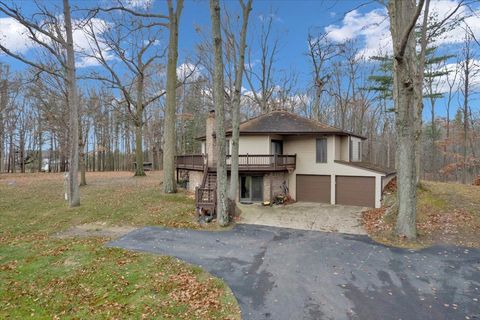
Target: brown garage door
(312,188)
(355,191)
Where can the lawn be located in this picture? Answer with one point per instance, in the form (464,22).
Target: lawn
(53,262)
(447,213)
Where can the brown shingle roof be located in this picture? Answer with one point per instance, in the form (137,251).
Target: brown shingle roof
(284,122)
(368,166)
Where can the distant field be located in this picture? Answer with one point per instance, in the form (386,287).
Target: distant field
(447,213)
(53,263)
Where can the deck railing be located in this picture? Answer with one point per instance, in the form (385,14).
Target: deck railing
(264,161)
(205,197)
(191,161)
(247,162)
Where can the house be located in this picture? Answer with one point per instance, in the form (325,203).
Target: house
(281,152)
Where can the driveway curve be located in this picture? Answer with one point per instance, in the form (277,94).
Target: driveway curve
(278,273)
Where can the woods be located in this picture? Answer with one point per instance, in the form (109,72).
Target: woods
(113,88)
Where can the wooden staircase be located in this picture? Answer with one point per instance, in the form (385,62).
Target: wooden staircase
(206,195)
(211,181)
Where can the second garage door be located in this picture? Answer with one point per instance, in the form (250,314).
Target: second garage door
(355,191)
(313,188)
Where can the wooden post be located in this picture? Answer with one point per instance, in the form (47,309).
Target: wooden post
(274,168)
(196,196)
(247,161)
(271,188)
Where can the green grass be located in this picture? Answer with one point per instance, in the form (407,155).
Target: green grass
(45,277)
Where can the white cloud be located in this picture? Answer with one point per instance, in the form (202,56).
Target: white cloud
(441,85)
(373,27)
(83,43)
(188,70)
(14,36)
(139,4)
(445,7)
(272,16)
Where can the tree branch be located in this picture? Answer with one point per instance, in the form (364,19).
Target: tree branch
(406,35)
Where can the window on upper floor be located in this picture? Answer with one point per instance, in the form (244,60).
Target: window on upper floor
(350,149)
(277,147)
(227,146)
(321,150)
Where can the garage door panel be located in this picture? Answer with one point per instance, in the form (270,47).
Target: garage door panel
(313,188)
(355,191)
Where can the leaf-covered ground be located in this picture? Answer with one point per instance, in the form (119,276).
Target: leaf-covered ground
(447,213)
(45,276)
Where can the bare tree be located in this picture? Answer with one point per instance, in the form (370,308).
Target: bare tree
(320,51)
(72,101)
(467,73)
(219,100)
(169,185)
(133,40)
(58,42)
(264,73)
(403,17)
(238,68)
(4,74)
(451,79)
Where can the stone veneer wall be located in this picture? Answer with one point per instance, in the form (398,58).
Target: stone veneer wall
(194,180)
(277,179)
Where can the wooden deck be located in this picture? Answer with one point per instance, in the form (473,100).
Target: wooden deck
(246,162)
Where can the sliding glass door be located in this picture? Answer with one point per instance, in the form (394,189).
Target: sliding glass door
(251,188)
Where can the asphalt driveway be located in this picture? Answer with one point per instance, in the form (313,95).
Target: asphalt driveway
(305,216)
(278,273)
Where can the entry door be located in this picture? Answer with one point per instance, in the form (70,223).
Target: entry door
(277,147)
(251,188)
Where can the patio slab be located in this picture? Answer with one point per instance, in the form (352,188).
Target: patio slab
(305,216)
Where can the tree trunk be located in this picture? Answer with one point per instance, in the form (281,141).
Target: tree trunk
(3,103)
(418,89)
(139,172)
(169,184)
(218,98)
(466,92)
(21,147)
(433,146)
(81,147)
(73,190)
(236,103)
(40,146)
(1,141)
(405,99)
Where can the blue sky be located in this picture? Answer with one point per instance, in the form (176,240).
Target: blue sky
(293,20)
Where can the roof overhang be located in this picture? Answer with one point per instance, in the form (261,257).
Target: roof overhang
(290,133)
(368,167)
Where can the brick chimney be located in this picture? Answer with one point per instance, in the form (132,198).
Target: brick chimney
(210,139)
